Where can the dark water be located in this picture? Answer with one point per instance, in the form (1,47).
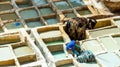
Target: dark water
(13,25)
(10,16)
(5,7)
(33,24)
(31,13)
(46,11)
(40,2)
(63,5)
(76,3)
(52,21)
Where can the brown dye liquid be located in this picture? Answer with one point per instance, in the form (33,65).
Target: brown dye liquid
(10,16)
(4,7)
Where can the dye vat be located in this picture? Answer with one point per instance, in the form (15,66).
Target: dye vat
(103,23)
(51,21)
(109,43)
(50,34)
(40,2)
(6,56)
(70,15)
(59,55)
(30,13)
(34,23)
(7,39)
(107,60)
(89,64)
(1,30)
(4,7)
(101,32)
(23,51)
(84,12)
(89,44)
(28,3)
(54,41)
(117,22)
(6,53)
(9,16)
(14,25)
(46,11)
(76,3)
(62,5)
(67,65)
(4,0)
(117,39)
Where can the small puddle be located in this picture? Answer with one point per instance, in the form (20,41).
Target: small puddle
(4,7)
(62,5)
(46,11)
(9,16)
(30,13)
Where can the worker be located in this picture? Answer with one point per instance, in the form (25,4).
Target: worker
(73,45)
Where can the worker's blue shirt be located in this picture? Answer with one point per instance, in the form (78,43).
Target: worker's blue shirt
(71,45)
